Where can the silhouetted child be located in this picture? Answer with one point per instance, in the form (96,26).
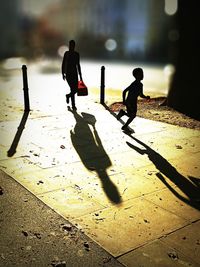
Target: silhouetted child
(134,90)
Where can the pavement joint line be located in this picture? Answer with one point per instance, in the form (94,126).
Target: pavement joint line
(159,238)
(180,228)
(179,251)
(141,246)
(167,209)
(53,190)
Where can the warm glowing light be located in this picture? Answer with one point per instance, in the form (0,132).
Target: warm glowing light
(110,44)
(169,71)
(13,63)
(171,7)
(62,49)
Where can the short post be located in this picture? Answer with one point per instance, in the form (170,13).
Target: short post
(102,93)
(25,88)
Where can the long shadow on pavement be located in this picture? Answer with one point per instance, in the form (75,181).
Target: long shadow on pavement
(92,153)
(189,186)
(13,147)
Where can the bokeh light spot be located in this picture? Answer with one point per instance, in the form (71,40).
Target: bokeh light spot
(62,49)
(110,44)
(171,7)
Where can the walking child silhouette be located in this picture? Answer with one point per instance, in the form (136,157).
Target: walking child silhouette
(134,90)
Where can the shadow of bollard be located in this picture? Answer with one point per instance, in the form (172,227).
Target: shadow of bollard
(18,134)
(21,126)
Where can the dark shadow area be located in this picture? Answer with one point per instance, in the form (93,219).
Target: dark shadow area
(186,53)
(115,115)
(18,134)
(92,153)
(189,186)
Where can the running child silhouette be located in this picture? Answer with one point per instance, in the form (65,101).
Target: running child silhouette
(134,90)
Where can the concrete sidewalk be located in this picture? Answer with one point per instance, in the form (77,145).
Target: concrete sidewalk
(32,234)
(137,196)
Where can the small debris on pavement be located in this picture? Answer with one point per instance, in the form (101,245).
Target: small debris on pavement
(178,146)
(128,207)
(1,191)
(77,187)
(24,233)
(40,182)
(86,245)
(124,190)
(146,221)
(58,264)
(100,219)
(52,233)
(67,227)
(106,260)
(2,256)
(173,255)
(38,235)
(62,147)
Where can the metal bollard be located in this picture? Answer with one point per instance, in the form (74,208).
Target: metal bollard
(25,88)
(102,93)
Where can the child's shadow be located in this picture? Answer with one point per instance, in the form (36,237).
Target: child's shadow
(189,186)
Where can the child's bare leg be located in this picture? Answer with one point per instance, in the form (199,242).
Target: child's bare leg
(131,118)
(120,114)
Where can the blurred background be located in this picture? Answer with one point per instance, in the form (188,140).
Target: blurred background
(129,30)
(120,34)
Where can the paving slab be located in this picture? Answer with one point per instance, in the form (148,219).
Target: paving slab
(128,226)
(189,165)
(70,202)
(177,202)
(32,234)
(186,240)
(157,254)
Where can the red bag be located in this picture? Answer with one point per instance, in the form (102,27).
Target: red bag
(82,89)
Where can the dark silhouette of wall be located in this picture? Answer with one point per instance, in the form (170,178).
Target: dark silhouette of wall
(184,93)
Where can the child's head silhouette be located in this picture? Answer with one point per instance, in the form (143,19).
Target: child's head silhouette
(138,74)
